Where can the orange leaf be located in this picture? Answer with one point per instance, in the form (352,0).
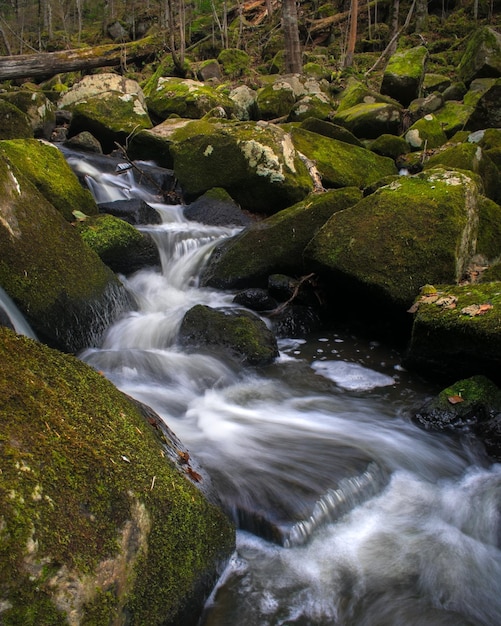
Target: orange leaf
(455,399)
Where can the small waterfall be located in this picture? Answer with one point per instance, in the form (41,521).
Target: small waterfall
(351,492)
(15,316)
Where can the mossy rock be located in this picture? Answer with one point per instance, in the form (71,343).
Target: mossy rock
(453,117)
(14,124)
(328,129)
(389,146)
(62,287)
(482,57)
(235,62)
(275,101)
(244,99)
(99,523)
(119,245)
(155,143)
(435,82)
(468,405)
(426,134)
(317,106)
(111,118)
(256,163)
(487,109)
(184,97)
(404,74)
(357,93)
(39,109)
(341,164)
(460,340)
(45,166)
(274,245)
(468,156)
(237,333)
(416,230)
(369,120)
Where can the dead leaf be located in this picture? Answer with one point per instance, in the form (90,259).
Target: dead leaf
(455,399)
(476,309)
(484,308)
(193,475)
(447,302)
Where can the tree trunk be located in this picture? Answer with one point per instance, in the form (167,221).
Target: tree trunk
(293,56)
(352,37)
(47,64)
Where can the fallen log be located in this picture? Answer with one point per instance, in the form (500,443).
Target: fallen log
(47,64)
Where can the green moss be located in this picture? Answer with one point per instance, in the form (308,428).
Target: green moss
(276,244)
(426,134)
(13,122)
(235,62)
(408,63)
(47,169)
(483,45)
(341,164)
(80,466)
(412,232)
(453,117)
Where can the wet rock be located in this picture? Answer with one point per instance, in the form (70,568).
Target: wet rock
(256,299)
(237,333)
(216,207)
(133,211)
(295,321)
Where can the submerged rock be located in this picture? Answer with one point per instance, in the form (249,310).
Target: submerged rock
(103,520)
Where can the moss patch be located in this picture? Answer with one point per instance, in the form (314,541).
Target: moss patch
(47,169)
(13,122)
(84,525)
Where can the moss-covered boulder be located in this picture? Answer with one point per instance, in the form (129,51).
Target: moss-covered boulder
(425,134)
(276,244)
(45,166)
(369,120)
(416,230)
(435,82)
(454,117)
(109,106)
(389,146)
(256,163)
(244,100)
(457,331)
(39,109)
(489,140)
(13,122)
(356,92)
(119,245)
(328,129)
(468,156)
(235,333)
(155,143)
(184,97)
(100,525)
(482,57)
(65,291)
(317,106)
(404,74)
(275,101)
(235,62)
(341,164)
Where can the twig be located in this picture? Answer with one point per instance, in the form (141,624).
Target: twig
(284,305)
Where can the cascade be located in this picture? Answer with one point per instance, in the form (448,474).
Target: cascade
(348,513)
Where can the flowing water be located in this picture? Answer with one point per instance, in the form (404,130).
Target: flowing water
(348,513)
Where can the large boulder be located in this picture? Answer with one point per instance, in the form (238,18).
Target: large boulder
(235,333)
(103,516)
(487,109)
(65,291)
(460,337)
(184,97)
(482,57)
(404,74)
(274,245)
(370,119)
(425,134)
(108,106)
(256,163)
(341,164)
(416,230)
(48,170)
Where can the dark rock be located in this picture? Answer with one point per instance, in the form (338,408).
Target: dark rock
(216,207)
(134,211)
(255,299)
(237,333)
(295,321)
